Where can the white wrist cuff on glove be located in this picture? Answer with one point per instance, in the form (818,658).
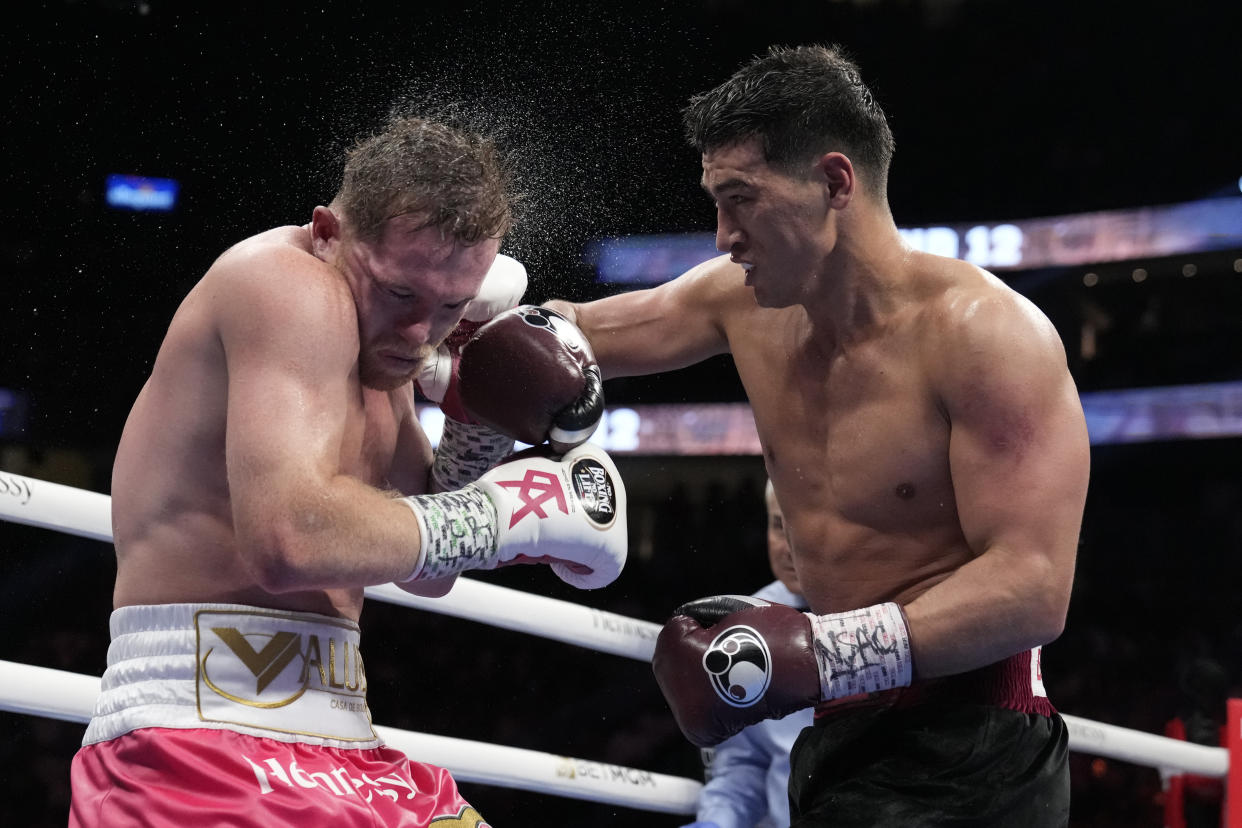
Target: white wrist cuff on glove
(465,452)
(458,532)
(862,651)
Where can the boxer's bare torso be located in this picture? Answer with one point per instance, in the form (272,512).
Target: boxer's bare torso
(857,444)
(918,420)
(173,511)
(901,454)
(853,437)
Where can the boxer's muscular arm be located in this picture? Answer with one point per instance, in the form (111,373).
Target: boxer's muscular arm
(413,455)
(671,326)
(290,345)
(409,475)
(1019,460)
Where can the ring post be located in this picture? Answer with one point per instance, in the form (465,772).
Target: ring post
(1233,782)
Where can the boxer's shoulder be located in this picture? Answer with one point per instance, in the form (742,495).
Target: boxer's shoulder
(280,244)
(271,255)
(269,279)
(958,296)
(716,287)
(720,277)
(978,326)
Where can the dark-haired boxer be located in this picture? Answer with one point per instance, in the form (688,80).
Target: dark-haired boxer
(926,443)
(272,467)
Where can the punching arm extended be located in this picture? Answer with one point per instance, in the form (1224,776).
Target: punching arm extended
(671,326)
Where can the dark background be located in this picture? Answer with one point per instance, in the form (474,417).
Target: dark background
(1001,110)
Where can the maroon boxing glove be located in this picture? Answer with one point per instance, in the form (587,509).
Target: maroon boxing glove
(467,448)
(530,374)
(729,661)
(726,662)
(437,378)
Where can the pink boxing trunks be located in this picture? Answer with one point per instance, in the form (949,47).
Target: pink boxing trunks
(226,714)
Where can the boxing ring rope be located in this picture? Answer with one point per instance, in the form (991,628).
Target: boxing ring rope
(61,695)
(70,697)
(550,618)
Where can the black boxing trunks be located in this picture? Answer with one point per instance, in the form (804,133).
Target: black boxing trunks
(214,714)
(980,749)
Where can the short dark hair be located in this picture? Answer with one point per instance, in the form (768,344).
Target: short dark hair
(452,178)
(800,102)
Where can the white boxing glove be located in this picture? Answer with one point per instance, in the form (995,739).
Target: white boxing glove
(569,510)
(502,289)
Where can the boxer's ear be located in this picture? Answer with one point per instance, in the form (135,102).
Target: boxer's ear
(325,230)
(836,172)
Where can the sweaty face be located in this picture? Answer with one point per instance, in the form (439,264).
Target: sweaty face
(779,554)
(411,288)
(772,223)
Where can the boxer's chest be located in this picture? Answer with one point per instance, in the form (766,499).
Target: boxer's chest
(854,437)
(369,442)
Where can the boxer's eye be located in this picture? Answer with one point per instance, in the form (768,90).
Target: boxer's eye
(396,293)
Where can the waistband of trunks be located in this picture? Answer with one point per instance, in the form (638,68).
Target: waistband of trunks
(292,676)
(1015,683)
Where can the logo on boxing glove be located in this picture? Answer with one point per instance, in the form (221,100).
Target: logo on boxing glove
(739,666)
(540,317)
(534,490)
(595,491)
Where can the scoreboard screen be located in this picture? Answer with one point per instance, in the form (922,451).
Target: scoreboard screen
(1027,244)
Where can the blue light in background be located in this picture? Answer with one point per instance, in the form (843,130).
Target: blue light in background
(13,407)
(140,192)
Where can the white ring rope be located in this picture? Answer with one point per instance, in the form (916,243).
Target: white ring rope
(551,618)
(53,506)
(1145,749)
(70,697)
(66,509)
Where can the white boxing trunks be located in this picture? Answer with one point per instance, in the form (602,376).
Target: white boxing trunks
(221,713)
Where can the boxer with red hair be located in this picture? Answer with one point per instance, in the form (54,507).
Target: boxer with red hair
(272,467)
